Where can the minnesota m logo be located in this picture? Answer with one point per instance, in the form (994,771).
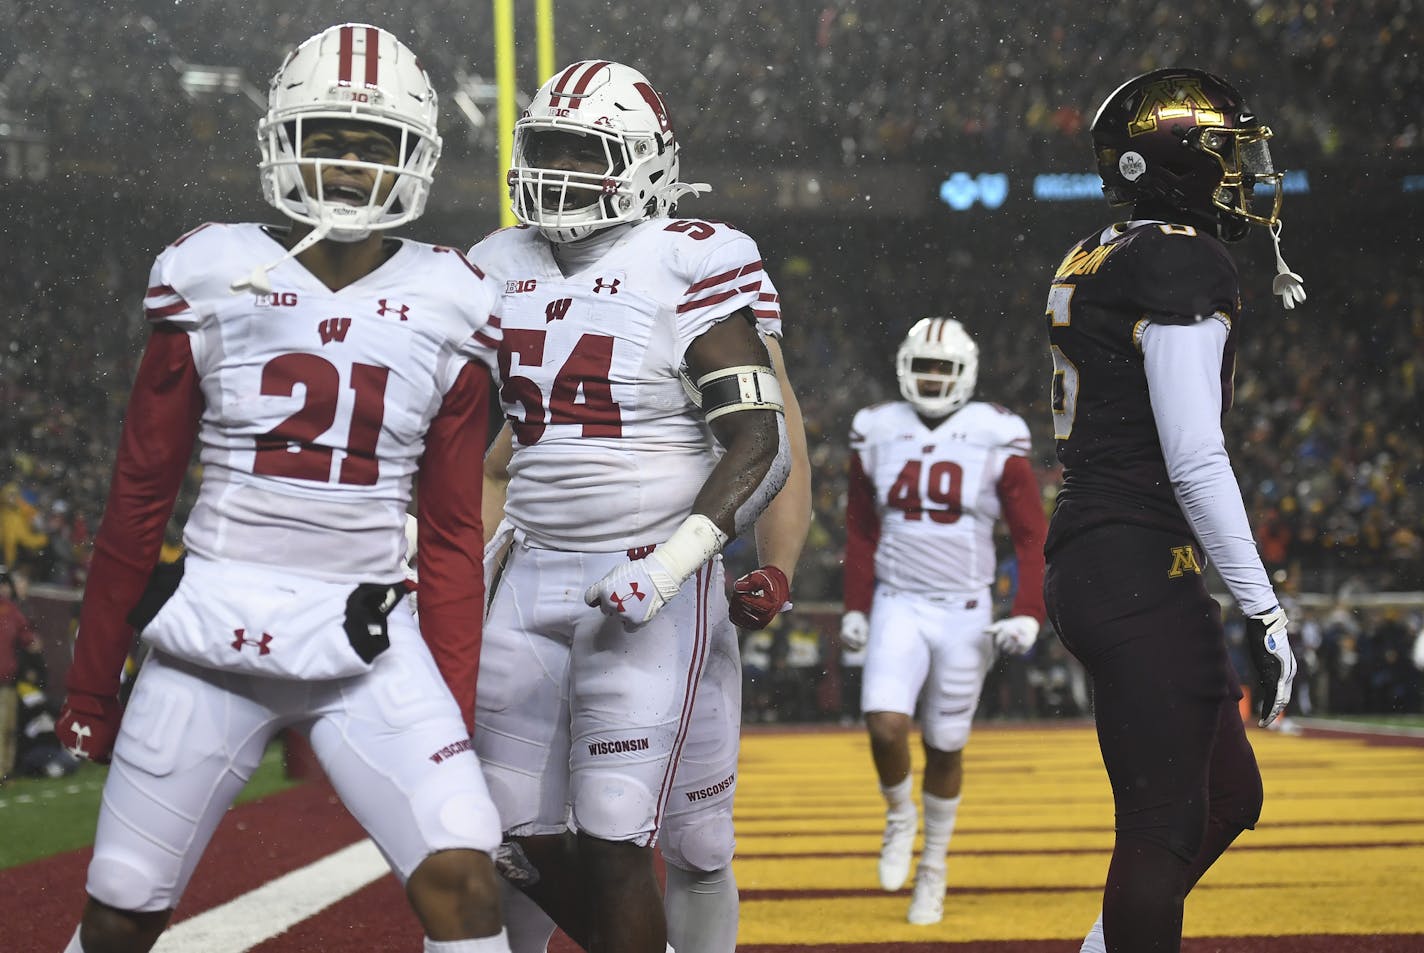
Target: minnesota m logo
(1184,560)
(1177,98)
(333,329)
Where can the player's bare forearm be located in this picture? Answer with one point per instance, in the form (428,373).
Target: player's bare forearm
(754,467)
(781,530)
(752,439)
(496,479)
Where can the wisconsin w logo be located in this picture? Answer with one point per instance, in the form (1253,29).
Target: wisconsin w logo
(557,310)
(333,329)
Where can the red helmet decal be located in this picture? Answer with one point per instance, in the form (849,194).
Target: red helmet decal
(655,103)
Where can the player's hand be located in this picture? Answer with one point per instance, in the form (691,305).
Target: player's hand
(1014,635)
(758,597)
(634,591)
(88,725)
(855,631)
(1275,664)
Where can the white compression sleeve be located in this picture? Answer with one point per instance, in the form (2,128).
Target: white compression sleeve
(1183,366)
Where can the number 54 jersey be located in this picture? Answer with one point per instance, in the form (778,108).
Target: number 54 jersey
(316,403)
(934,493)
(610,449)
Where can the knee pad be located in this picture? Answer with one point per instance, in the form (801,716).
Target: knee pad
(696,841)
(125,884)
(614,807)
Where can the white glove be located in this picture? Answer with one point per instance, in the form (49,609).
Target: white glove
(1275,663)
(855,631)
(1014,635)
(635,590)
(639,588)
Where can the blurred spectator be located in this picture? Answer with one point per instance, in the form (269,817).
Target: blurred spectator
(17,639)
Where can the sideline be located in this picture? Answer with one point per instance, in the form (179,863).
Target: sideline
(278,905)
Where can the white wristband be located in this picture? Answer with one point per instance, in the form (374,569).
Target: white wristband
(693,543)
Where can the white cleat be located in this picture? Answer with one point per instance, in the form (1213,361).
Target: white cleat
(896,849)
(927,904)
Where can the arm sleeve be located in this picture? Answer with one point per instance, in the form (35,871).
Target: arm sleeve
(1183,367)
(862,536)
(1023,512)
(164,411)
(451,535)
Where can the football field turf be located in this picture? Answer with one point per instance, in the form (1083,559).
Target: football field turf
(1336,864)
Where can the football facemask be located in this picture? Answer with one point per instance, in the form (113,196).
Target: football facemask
(937,367)
(362,79)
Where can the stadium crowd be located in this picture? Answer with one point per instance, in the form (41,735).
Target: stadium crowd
(854,77)
(1327,423)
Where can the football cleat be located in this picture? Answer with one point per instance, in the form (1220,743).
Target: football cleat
(896,849)
(927,903)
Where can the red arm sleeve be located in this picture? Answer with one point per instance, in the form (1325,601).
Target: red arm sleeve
(451,552)
(1023,511)
(164,411)
(862,536)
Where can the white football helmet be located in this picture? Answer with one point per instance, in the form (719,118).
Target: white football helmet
(619,107)
(350,72)
(934,393)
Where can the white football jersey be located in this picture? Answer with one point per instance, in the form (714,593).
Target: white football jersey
(936,491)
(317,401)
(609,450)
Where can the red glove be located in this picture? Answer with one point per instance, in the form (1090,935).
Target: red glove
(758,596)
(88,725)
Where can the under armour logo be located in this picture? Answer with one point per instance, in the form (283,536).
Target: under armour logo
(610,287)
(402,310)
(241,639)
(333,329)
(557,310)
(80,732)
(618,600)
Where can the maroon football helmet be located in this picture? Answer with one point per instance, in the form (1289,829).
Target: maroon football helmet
(1183,139)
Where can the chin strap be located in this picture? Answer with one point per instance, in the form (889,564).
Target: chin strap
(679,189)
(257,280)
(1287,283)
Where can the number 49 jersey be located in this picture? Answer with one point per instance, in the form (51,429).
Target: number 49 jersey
(935,492)
(316,403)
(610,450)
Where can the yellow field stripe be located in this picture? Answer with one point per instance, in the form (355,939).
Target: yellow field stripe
(1339,849)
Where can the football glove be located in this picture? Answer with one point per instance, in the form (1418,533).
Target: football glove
(88,725)
(758,597)
(855,631)
(1014,635)
(638,589)
(1275,664)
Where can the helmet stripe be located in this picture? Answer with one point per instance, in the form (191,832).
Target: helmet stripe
(343,68)
(559,85)
(373,54)
(587,78)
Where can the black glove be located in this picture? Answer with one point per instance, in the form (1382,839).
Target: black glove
(1275,664)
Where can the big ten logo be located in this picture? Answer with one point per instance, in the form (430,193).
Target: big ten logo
(560,111)
(520,285)
(278,299)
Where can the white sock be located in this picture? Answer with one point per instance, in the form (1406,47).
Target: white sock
(499,943)
(940,814)
(702,908)
(74,946)
(897,797)
(526,924)
(1094,942)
